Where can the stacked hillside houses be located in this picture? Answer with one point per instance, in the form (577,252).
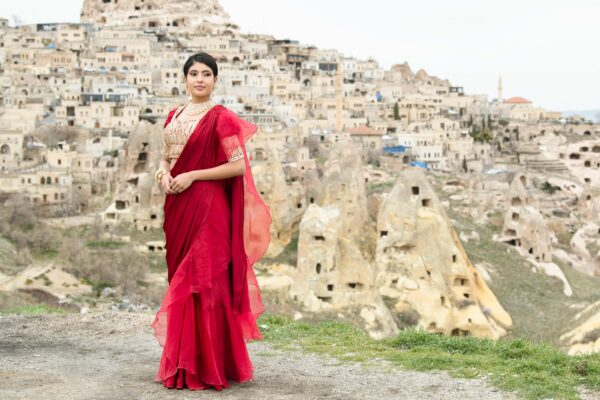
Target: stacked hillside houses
(344,156)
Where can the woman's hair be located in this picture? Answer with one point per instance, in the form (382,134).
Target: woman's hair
(203,58)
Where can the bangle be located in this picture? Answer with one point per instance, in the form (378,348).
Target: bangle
(159,174)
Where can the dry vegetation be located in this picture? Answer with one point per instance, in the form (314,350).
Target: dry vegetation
(80,251)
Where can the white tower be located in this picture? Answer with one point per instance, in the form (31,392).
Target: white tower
(499,89)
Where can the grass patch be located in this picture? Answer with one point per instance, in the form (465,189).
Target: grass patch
(535,301)
(32,309)
(46,255)
(532,370)
(380,187)
(104,244)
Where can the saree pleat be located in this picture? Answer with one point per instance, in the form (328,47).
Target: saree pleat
(215,231)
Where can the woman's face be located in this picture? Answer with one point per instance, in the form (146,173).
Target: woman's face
(200,80)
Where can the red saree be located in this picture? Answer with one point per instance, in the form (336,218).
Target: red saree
(215,231)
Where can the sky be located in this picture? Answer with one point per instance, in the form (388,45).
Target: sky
(547,51)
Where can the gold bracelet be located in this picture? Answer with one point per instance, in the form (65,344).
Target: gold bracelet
(159,174)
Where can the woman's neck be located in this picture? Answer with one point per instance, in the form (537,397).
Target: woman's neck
(198,100)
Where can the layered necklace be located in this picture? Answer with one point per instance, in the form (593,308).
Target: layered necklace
(199,108)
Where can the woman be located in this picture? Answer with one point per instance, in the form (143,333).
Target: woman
(216,226)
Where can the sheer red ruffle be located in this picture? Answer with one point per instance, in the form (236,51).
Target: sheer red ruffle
(215,231)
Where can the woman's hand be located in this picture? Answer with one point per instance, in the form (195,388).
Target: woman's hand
(165,183)
(181,182)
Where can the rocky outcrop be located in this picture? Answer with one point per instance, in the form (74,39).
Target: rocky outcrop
(524,226)
(420,276)
(192,15)
(286,202)
(333,270)
(138,197)
(424,271)
(47,283)
(332,275)
(585,337)
(586,245)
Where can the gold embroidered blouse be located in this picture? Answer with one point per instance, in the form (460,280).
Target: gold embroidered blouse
(177,132)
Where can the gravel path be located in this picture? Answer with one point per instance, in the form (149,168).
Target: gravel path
(113,355)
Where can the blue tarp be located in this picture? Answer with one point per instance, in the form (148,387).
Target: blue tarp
(394,149)
(421,164)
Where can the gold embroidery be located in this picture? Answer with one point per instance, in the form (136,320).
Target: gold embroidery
(232,148)
(236,154)
(176,135)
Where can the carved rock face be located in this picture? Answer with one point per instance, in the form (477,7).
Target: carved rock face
(585,337)
(422,267)
(283,201)
(138,198)
(524,226)
(174,15)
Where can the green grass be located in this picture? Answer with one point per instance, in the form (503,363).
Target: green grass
(32,309)
(381,187)
(533,370)
(535,301)
(104,244)
(48,255)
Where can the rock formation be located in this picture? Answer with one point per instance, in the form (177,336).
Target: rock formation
(584,338)
(333,272)
(175,15)
(586,246)
(423,269)
(286,202)
(48,283)
(524,226)
(138,197)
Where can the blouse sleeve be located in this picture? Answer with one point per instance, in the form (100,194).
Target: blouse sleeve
(165,153)
(228,130)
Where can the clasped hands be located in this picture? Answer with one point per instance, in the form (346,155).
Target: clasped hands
(176,185)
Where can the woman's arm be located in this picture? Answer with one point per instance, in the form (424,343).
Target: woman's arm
(223,171)
(165,164)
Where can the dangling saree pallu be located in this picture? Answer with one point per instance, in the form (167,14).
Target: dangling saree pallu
(215,231)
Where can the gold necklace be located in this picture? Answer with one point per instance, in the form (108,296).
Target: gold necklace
(199,108)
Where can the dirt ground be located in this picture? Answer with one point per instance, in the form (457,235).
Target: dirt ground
(113,355)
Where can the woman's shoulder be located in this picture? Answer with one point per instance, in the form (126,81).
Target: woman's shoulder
(177,108)
(226,114)
(174,111)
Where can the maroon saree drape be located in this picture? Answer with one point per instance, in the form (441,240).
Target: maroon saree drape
(215,231)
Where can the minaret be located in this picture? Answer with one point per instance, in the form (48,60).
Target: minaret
(338,97)
(499,89)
